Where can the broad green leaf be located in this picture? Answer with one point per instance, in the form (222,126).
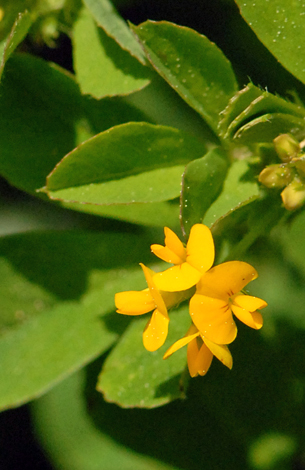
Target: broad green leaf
(149,186)
(267,127)
(202,182)
(134,162)
(43,117)
(152,214)
(102,67)
(279,25)
(20,28)
(47,349)
(69,436)
(107,17)
(61,286)
(196,69)
(237,191)
(266,103)
(134,377)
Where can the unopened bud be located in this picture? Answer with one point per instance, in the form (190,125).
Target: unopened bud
(276,176)
(299,163)
(293,196)
(286,147)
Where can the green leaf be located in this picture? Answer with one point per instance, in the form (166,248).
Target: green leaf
(61,286)
(102,67)
(264,103)
(43,117)
(237,104)
(134,162)
(267,127)
(196,69)
(107,17)
(279,25)
(156,214)
(69,436)
(237,192)
(202,182)
(134,377)
(20,29)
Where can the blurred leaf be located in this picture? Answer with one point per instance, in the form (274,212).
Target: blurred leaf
(62,286)
(134,162)
(134,377)
(20,28)
(279,26)
(196,69)
(237,191)
(202,182)
(106,16)
(102,67)
(267,127)
(43,116)
(292,236)
(68,435)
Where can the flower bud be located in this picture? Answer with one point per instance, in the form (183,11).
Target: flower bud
(293,196)
(299,163)
(276,176)
(286,147)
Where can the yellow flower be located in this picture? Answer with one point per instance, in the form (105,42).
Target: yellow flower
(200,352)
(140,302)
(191,262)
(218,295)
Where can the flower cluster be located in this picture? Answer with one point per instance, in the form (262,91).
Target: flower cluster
(215,296)
(290,174)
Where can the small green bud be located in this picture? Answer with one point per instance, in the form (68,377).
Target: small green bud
(276,176)
(293,196)
(286,147)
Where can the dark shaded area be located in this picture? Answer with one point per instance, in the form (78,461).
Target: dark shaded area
(18,448)
(225,412)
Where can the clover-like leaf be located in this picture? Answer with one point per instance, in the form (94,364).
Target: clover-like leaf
(102,67)
(134,162)
(262,104)
(191,64)
(57,297)
(279,25)
(107,17)
(135,377)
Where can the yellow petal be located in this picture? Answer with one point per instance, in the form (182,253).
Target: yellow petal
(200,248)
(252,319)
(157,297)
(177,278)
(249,303)
(213,318)
(220,351)
(198,358)
(226,279)
(134,302)
(173,251)
(180,343)
(163,252)
(155,332)
(174,244)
